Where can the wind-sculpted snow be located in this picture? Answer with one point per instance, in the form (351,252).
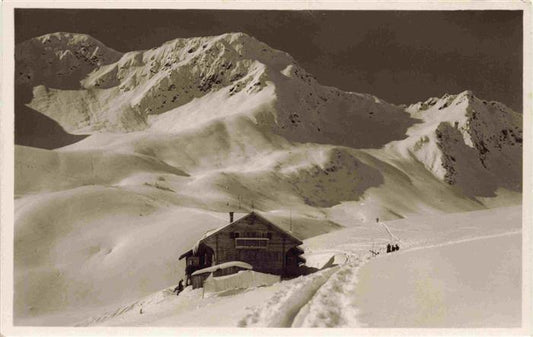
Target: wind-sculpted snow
(367,290)
(183,133)
(56,171)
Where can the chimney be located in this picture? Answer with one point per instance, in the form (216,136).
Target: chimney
(230,217)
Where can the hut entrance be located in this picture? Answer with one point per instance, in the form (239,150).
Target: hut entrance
(202,258)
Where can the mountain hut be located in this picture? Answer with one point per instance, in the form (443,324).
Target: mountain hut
(252,239)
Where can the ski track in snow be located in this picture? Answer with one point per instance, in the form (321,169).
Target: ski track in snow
(316,300)
(394,237)
(320,299)
(410,249)
(281,309)
(330,306)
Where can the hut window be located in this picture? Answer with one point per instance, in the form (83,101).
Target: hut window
(253,243)
(255,235)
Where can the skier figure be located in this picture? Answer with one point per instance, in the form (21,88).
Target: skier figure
(396,247)
(389,248)
(179,288)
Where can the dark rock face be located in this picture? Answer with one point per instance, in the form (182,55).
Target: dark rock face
(485,152)
(59,60)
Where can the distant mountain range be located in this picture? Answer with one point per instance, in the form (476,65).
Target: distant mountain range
(157,143)
(236,88)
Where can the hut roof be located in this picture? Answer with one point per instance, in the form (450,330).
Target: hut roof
(224,265)
(186,254)
(216,230)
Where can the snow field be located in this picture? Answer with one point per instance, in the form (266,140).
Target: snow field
(333,297)
(473,283)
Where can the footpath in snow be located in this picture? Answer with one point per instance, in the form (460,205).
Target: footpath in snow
(453,271)
(329,306)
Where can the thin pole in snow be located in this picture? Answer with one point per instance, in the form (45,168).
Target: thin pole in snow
(290,219)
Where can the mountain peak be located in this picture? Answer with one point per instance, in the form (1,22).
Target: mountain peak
(442,102)
(60,60)
(68,41)
(154,88)
(467,93)
(464,139)
(70,38)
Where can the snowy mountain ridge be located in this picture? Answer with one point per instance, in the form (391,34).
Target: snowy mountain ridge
(222,103)
(181,134)
(131,93)
(60,60)
(468,133)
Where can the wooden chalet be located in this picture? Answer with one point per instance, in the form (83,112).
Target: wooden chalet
(251,239)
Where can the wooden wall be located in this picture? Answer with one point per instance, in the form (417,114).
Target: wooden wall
(268,260)
(198,280)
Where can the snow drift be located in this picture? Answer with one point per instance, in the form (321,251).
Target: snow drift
(182,133)
(241,280)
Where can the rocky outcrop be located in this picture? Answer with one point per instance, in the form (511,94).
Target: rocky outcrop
(469,142)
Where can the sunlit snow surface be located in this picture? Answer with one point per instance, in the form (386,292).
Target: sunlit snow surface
(471,284)
(461,276)
(184,133)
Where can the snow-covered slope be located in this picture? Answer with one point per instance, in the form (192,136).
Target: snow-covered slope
(183,133)
(184,79)
(56,171)
(392,290)
(60,60)
(488,295)
(468,142)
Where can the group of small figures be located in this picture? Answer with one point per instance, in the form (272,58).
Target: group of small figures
(392,248)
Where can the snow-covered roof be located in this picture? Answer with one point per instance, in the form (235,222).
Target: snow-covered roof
(224,265)
(206,234)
